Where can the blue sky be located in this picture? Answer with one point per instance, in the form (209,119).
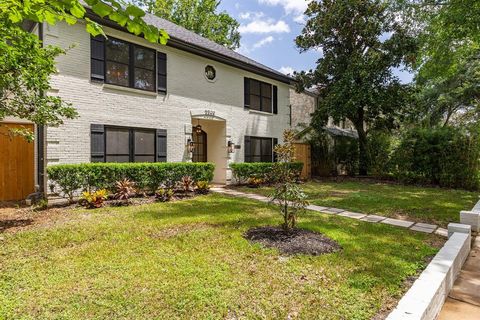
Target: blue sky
(269,28)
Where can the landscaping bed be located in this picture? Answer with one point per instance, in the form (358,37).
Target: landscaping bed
(420,204)
(189,259)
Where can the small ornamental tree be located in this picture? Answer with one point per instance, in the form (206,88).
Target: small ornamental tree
(288,195)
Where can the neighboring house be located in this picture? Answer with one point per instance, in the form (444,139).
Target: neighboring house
(141,102)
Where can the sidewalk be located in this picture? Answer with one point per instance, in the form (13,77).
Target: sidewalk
(418,226)
(463,301)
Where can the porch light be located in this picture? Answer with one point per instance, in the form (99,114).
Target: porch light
(198,128)
(190,146)
(231,147)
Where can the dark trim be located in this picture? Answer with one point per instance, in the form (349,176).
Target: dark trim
(201,51)
(41,138)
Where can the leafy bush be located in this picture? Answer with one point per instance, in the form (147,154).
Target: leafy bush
(147,176)
(380,146)
(444,156)
(203,187)
(164,194)
(287,194)
(125,189)
(242,172)
(94,199)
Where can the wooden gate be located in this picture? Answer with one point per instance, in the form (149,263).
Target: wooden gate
(303,154)
(16,164)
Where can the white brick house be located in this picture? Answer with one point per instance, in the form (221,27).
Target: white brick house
(139,101)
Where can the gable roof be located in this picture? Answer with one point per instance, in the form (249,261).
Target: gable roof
(189,41)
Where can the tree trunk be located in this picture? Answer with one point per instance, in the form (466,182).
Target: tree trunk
(362,143)
(362,152)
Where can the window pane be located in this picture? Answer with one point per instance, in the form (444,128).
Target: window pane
(254,102)
(255,87)
(256,148)
(266,90)
(117,73)
(117,142)
(267,104)
(117,159)
(144,143)
(144,58)
(144,79)
(267,150)
(117,51)
(145,158)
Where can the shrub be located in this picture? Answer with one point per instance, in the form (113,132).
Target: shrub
(446,156)
(164,194)
(148,177)
(94,199)
(287,194)
(242,172)
(125,189)
(380,147)
(203,187)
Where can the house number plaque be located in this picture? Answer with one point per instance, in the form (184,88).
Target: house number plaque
(209,114)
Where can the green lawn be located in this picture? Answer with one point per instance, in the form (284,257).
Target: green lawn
(188,260)
(426,204)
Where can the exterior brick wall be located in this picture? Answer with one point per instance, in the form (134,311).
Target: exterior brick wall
(189,92)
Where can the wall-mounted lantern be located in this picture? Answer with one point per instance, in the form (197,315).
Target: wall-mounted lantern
(190,146)
(231,147)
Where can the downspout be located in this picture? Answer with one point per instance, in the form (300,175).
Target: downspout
(41,152)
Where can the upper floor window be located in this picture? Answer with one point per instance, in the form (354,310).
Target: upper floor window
(126,64)
(260,96)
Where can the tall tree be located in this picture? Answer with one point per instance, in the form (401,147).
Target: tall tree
(26,66)
(199,16)
(361,42)
(449,60)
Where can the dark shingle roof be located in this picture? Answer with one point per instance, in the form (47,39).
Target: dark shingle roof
(181,35)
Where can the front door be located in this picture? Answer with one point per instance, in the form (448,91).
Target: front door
(200,142)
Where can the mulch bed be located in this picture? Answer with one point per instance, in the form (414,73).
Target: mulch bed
(297,241)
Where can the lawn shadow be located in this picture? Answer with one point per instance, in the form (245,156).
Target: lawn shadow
(14,223)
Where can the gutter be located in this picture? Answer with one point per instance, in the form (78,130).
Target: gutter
(41,140)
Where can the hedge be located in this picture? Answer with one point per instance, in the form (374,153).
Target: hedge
(71,178)
(447,156)
(243,171)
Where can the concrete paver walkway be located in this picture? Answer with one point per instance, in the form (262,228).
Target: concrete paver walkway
(463,301)
(419,227)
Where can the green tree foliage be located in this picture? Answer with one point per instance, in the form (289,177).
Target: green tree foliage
(361,41)
(199,16)
(26,66)
(449,60)
(25,69)
(287,194)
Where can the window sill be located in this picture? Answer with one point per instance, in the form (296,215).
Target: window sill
(260,112)
(132,90)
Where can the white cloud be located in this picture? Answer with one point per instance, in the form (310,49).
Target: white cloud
(286,70)
(263,42)
(251,15)
(290,6)
(300,19)
(265,26)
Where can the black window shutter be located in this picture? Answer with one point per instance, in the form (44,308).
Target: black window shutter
(247,148)
(161,145)
(97,140)
(162,72)
(275,99)
(97,58)
(274,154)
(246,90)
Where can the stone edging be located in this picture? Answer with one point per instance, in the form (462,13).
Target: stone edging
(420,227)
(425,299)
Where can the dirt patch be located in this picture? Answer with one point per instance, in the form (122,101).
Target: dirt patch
(180,230)
(298,241)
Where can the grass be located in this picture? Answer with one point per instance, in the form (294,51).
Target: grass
(424,204)
(189,260)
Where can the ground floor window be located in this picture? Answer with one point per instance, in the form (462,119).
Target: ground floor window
(127,144)
(259,149)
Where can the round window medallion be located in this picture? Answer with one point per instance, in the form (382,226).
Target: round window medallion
(210,73)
